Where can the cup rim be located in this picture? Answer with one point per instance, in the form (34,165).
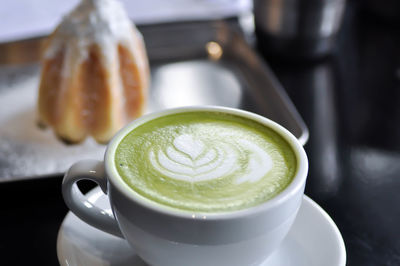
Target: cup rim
(291,190)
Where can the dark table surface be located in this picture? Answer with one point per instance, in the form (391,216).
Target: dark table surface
(351,104)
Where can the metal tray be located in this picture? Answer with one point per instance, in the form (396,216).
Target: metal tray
(198,63)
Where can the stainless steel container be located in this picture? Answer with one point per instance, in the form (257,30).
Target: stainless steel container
(297,28)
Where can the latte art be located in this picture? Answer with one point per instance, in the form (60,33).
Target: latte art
(191,160)
(205,162)
(259,163)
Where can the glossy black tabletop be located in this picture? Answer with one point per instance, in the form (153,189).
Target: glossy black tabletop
(351,104)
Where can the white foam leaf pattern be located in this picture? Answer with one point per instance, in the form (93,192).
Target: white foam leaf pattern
(187,144)
(183,159)
(258,165)
(189,159)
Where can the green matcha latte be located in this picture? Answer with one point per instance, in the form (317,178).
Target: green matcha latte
(205,161)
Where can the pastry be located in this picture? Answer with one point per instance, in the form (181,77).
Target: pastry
(95,73)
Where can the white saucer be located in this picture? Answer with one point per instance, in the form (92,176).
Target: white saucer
(312,241)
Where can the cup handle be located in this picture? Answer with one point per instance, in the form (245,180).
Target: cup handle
(91,170)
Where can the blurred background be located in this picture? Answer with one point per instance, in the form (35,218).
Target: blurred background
(337,60)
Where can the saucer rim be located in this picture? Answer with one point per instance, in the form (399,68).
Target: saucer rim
(336,235)
(336,232)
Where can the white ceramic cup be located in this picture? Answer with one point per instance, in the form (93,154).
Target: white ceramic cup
(168,237)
